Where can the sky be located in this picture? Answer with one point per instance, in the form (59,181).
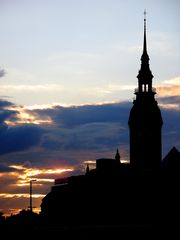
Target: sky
(67,77)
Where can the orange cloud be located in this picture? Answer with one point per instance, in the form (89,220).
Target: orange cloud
(27,174)
(169,88)
(19,195)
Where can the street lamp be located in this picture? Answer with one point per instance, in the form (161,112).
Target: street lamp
(30,193)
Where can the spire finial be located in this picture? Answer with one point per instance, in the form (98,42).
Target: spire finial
(144,46)
(145,14)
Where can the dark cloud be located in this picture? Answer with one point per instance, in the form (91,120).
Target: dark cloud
(4,112)
(170,100)
(75,116)
(4,168)
(102,126)
(89,136)
(90,127)
(68,117)
(4,103)
(18,138)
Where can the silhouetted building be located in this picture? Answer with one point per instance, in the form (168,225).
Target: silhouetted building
(97,190)
(145,121)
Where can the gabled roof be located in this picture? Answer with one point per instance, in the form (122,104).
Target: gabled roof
(172,159)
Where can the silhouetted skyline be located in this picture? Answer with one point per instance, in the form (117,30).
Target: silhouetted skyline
(42,72)
(143,192)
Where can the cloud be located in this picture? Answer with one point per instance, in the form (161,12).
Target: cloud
(168,94)
(87,127)
(172,102)
(15,181)
(75,134)
(74,128)
(90,136)
(5,113)
(75,116)
(32,88)
(4,168)
(4,103)
(169,88)
(173,81)
(97,126)
(19,138)
(16,138)
(27,116)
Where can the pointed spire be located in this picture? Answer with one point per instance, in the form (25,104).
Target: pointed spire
(117,156)
(144,76)
(87,169)
(145,56)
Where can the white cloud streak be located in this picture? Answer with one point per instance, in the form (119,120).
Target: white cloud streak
(32,88)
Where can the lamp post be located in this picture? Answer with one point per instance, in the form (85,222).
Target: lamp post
(30,193)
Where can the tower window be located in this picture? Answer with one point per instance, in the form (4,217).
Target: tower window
(144,87)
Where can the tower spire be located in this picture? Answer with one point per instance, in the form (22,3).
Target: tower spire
(145,76)
(145,119)
(145,56)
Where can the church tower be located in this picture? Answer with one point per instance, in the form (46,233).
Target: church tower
(145,121)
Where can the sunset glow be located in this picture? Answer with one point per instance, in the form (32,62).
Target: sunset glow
(169,87)
(43,106)
(18,183)
(26,174)
(19,195)
(25,116)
